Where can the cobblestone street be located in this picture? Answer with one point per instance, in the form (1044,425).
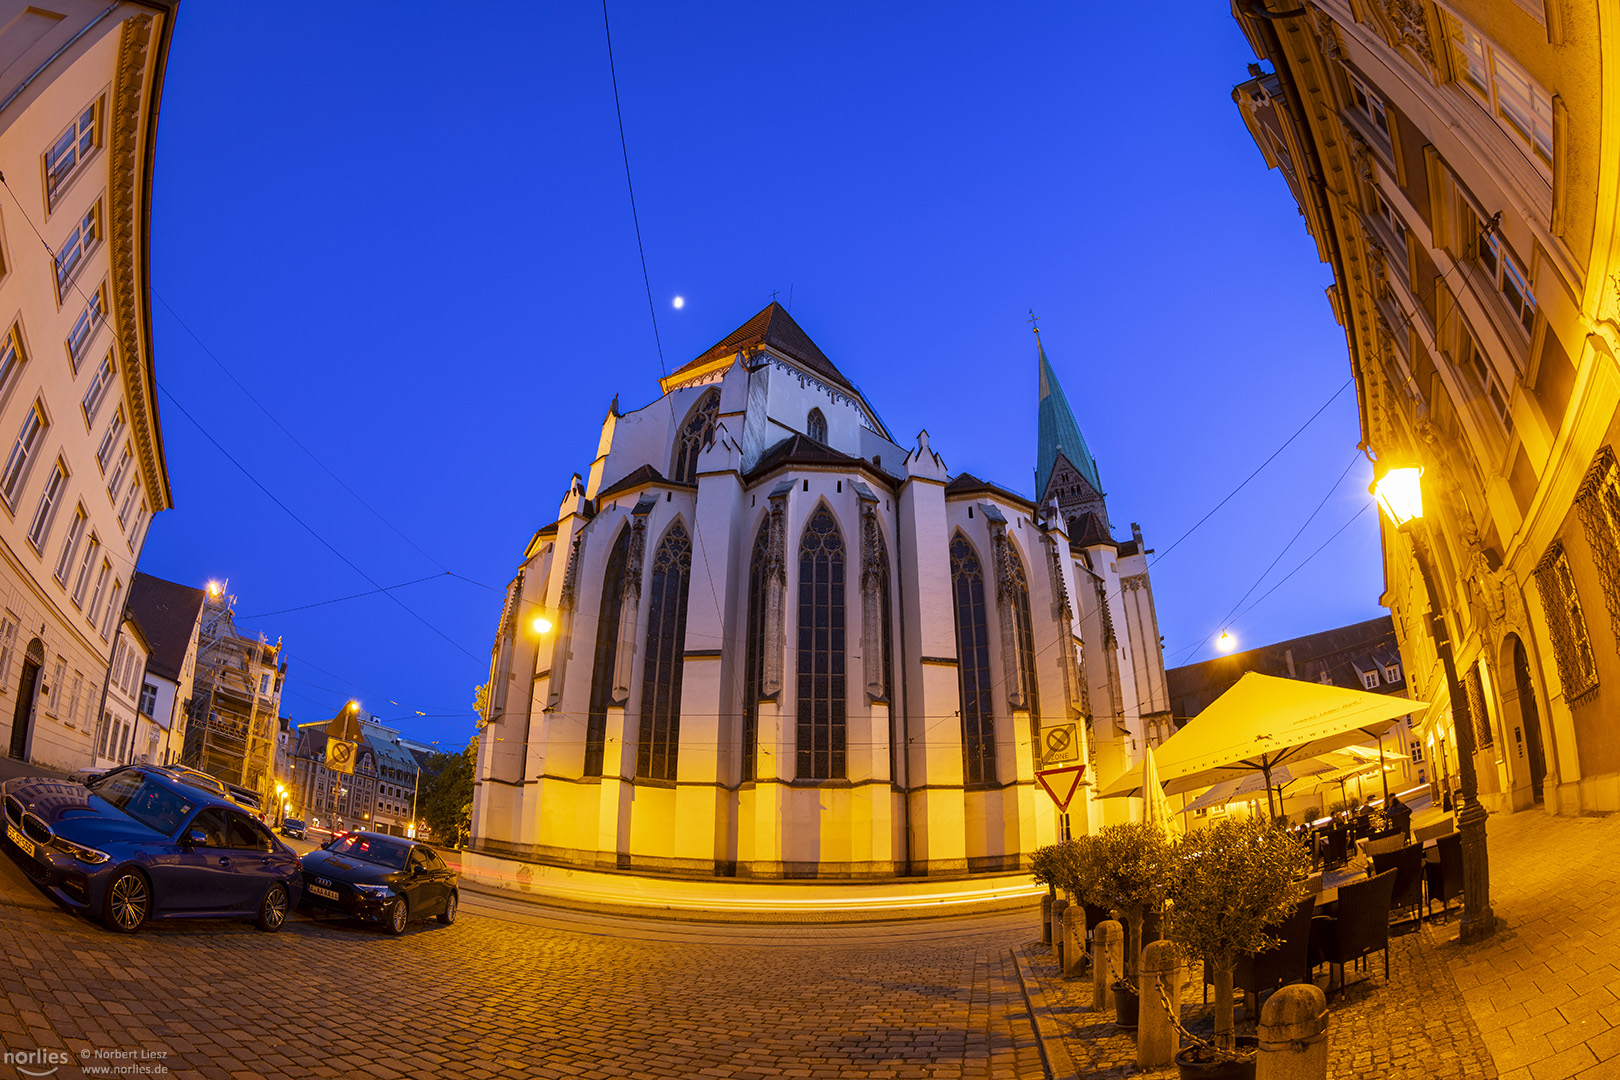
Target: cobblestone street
(515,990)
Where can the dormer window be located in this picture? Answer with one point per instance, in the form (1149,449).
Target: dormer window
(1392,673)
(815,426)
(1369,679)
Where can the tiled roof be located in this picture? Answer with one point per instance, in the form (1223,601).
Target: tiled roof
(775,328)
(166,612)
(645,474)
(968,484)
(1089,532)
(803,450)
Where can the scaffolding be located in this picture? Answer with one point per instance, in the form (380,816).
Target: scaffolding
(232,719)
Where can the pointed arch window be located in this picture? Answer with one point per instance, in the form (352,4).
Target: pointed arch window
(973,665)
(821,749)
(607,647)
(1024,633)
(815,426)
(885,645)
(660,733)
(754,655)
(695,435)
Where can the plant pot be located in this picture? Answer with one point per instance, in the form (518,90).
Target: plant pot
(1127,1004)
(1225,1069)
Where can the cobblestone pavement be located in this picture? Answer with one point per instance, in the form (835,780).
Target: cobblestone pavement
(1545,989)
(516,990)
(1413,1027)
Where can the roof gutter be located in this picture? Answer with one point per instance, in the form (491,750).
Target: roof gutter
(91,25)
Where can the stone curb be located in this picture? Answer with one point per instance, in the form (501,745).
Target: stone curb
(1054,1055)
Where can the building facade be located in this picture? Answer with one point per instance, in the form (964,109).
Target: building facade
(83,472)
(379,795)
(169,616)
(1451,162)
(781,644)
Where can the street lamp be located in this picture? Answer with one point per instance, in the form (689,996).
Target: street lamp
(1400,494)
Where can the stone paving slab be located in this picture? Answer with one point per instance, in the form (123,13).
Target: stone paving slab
(1415,1026)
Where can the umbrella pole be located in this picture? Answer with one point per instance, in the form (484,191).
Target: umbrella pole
(1270,806)
(1382,772)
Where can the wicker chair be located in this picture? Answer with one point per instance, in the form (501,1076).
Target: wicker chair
(1445,877)
(1407,862)
(1360,929)
(1336,851)
(1432,832)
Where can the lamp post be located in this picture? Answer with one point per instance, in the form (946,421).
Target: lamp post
(1400,495)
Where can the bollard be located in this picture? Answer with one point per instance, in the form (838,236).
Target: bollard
(1074,939)
(1157,1039)
(1056,928)
(1107,962)
(1046,918)
(1293,1035)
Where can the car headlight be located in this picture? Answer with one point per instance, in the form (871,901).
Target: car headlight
(375,891)
(79,851)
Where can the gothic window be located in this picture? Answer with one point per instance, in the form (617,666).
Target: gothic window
(815,426)
(1024,628)
(1571,647)
(666,643)
(607,647)
(821,650)
(695,435)
(880,555)
(754,657)
(1599,505)
(973,665)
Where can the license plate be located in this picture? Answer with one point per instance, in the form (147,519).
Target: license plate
(20,840)
(330,894)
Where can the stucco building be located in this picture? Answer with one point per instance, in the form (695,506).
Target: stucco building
(782,644)
(1455,165)
(81,454)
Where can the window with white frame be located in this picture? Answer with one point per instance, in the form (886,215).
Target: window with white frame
(1496,259)
(86,568)
(11,356)
(1370,104)
(116,480)
(1516,101)
(22,453)
(73,697)
(1475,361)
(70,545)
(141,517)
(93,608)
(85,326)
(8,643)
(1391,222)
(1369,679)
(46,513)
(71,149)
(113,608)
(76,248)
(54,697)
(1416,750)
(1392,673)
(148,699)
(96,392)
(109,441)
(128,504)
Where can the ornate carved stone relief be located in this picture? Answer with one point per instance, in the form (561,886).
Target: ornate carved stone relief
(1408,25)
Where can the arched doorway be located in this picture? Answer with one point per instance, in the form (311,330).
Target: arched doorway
(22,719)
(1521,717)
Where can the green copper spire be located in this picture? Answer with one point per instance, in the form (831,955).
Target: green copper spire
(1058,432)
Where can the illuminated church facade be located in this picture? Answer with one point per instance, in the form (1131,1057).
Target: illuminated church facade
(783,645)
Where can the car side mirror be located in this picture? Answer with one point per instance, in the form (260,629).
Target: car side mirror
(195,838)
(416,869)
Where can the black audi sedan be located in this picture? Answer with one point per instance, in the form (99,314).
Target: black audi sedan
(141,843)
(381,879)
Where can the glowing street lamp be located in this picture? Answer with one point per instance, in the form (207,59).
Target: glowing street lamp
(541,624)
(1226,642)
(1400,495)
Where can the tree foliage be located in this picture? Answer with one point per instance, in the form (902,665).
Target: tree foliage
(1128,869)
(1068,866)
(1231,882)
(446,799)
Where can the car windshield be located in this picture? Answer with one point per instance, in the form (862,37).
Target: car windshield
(373,850)
(151,804)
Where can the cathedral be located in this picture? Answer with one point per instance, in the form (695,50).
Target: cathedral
(765,640)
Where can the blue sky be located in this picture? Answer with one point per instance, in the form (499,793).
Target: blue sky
(409,239)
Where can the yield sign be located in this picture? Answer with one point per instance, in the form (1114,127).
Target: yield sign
(1061,783)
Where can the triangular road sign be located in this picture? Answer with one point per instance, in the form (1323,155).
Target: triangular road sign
(1061,783)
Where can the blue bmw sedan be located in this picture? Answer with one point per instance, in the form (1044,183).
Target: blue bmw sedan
(141,843)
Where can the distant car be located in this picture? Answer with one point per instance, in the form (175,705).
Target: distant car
(196,778)
(246,798)
(293,827)
(140,844)
(381,879)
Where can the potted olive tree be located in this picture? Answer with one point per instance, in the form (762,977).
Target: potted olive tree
(1128,869)
(1233,880)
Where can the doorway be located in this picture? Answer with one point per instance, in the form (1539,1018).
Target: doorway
(1530,719)
(22,719)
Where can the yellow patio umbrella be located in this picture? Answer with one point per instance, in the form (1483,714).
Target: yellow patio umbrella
(1261,723)
(1155,806)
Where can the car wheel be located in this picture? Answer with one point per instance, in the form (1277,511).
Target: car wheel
(448,916)
(128,903)
(399,914)
(273,908)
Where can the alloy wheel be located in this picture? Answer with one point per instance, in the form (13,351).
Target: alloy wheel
(397,916)
(449,915)
(273,911)
(128,901)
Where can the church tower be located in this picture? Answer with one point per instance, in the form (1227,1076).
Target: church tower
(1064,468)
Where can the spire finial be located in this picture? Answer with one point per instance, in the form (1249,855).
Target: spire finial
(1034,323)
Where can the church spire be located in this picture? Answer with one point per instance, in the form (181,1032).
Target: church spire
(1058,431)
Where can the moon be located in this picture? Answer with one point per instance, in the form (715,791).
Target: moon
(680,302)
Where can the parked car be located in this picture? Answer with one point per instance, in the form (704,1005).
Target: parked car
(196,778)
(382,879)
(293,827)
(246,798)
(84,776)
(140,843)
